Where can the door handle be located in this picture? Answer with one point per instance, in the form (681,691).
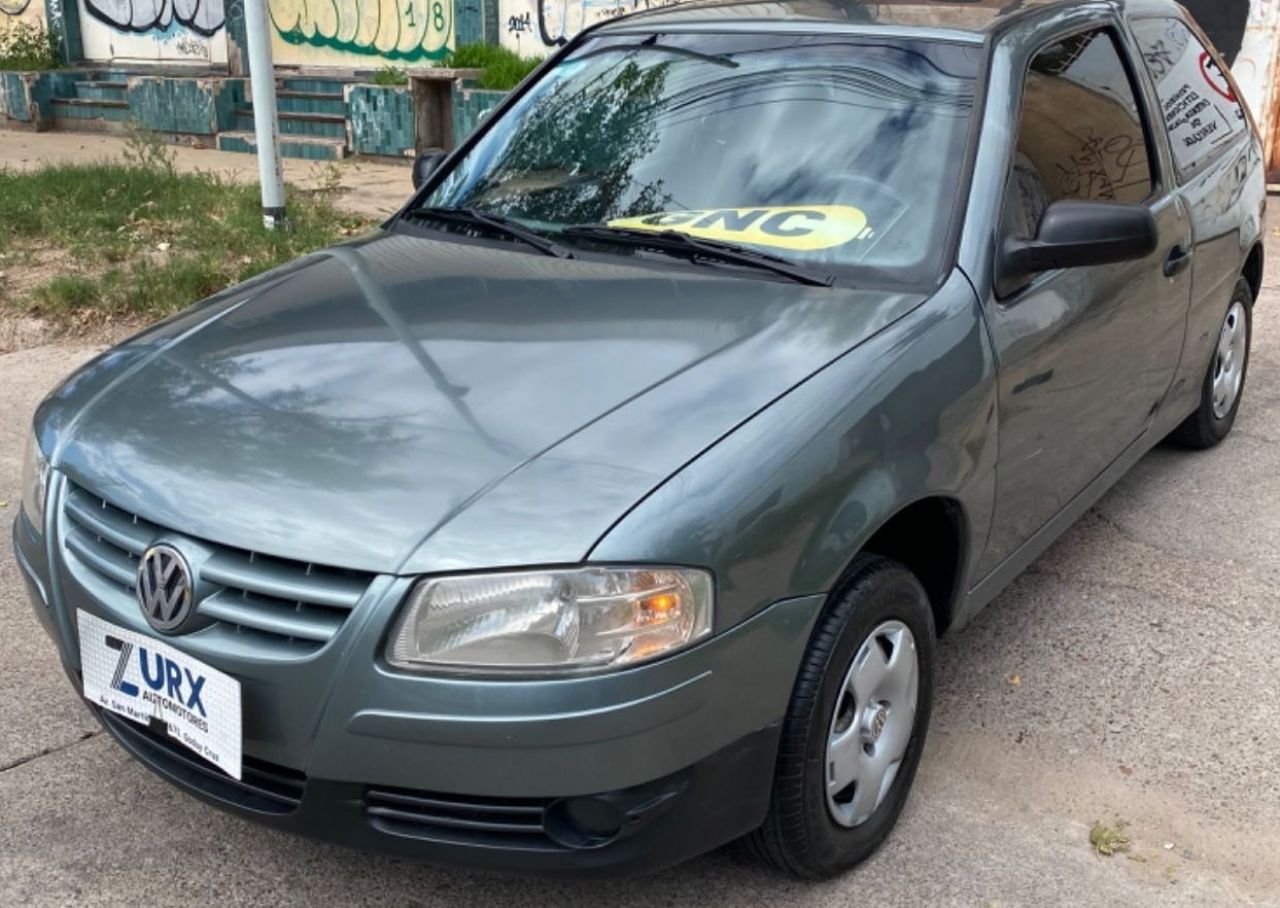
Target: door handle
(1178,261)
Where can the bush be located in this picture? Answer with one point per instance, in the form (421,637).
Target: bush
(503,69)
(27,46)
(390,75)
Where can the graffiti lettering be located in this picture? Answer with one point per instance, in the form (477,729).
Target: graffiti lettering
(559,20)
(1104,167)
(14,7)
(393,29)
(191,47)
(521,23)
(204,17)
(1160,59)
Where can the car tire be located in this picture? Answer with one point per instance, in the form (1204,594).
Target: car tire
(1212,421)
(807,832)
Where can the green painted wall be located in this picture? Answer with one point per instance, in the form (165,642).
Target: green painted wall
(468,106)
(175,105)
(382,120)
(63,17)
(238,50)
(14,102)
(469,21)
(44,87)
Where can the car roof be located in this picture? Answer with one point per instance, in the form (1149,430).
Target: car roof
(971,18)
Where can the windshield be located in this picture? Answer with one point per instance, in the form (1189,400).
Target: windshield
(840,153)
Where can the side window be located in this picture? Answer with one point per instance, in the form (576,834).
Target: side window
(1198,102)
(1081,136)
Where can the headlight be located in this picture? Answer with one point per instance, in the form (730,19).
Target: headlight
(551,621)
(35,476)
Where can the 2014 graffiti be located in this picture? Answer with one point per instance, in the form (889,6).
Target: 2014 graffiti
(406,30)
(204,17)
(560,20)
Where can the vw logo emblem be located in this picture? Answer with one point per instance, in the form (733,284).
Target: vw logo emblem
(164,587)
(877,724)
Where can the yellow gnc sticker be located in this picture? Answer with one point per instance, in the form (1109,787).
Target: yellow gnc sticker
(803,228)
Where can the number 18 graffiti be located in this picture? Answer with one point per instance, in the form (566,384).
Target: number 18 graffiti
(405,30)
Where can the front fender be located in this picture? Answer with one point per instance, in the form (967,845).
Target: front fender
(779,507)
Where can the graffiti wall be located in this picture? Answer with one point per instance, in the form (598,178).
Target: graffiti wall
(14,11)
(532,27)
(360,33)
(153,31)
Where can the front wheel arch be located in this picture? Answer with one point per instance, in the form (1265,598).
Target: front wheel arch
(930,538)
(1254,268)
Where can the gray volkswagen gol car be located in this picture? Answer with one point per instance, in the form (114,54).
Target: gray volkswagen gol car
(605,504)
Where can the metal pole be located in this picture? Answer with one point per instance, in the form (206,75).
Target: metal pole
(263,79)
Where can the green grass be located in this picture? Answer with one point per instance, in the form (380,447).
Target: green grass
(390,75)
(137,240)
(503,69)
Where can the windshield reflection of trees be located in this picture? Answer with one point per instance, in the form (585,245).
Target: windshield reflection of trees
(588,150)
(596,129)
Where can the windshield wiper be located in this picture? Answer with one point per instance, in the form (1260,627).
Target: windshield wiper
(495,222)
(651,43)
(683,244)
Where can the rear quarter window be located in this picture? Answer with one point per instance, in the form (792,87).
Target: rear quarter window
(1198,102)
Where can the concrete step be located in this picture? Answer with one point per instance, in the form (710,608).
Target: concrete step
(324,125)
(332,87)
(312,148)
(319,102)
(90,109)
(318,95)
(95,90)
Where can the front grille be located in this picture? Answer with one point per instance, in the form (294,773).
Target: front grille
(290,604)
(455,819)
(263,787)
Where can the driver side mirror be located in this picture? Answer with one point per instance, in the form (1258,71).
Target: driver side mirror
(1077,235)
(425,165)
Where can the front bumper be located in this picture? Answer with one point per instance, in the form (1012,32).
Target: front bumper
(613,774)
(625,832)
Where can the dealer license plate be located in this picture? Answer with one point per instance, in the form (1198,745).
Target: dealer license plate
(142,678)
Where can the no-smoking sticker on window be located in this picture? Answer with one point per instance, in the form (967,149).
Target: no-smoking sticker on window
(1216,78)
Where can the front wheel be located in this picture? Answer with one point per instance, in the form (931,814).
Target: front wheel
(1223,386)
(855,727)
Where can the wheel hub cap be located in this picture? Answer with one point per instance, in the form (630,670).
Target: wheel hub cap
(874,717)
(1229,360)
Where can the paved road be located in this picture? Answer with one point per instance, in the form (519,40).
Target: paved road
(1132,674)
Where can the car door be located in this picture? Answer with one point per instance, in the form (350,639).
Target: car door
(1086,355)
(1218,164)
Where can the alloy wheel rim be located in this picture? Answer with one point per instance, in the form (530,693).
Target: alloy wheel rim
(874,716)
(1229,360)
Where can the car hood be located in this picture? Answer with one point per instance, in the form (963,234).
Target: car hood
(406,404)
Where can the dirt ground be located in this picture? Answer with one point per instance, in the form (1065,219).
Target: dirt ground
(1132,674)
